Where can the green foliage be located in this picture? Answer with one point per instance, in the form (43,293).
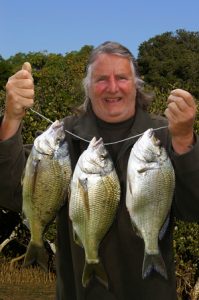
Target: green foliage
(186,247)
(2,101)
(5,72)
(171,60)
(159,103)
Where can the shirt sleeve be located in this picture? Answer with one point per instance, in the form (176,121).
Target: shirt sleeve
(12,161)
(186,203)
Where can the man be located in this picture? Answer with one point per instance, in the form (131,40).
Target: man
(114,109)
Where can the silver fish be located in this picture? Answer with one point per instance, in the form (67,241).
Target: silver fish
(45,183)
(95,195)
(150,188)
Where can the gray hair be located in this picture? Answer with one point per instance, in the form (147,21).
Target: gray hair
(116,49)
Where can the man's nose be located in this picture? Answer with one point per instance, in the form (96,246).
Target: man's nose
(112,84)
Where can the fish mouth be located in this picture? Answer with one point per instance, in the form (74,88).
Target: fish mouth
(99,142)
(51,139)
(99,146)
(57,124)
(151,133)
(152,136)
(96,143)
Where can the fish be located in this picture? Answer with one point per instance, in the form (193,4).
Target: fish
(93,202)
(150,189)
(45,184)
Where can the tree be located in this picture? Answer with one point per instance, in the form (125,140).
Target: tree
(171,60)
(5,72)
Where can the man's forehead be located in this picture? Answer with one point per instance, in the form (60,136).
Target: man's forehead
(109,63)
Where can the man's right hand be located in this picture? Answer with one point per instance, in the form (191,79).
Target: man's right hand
(19,93)
(19,96)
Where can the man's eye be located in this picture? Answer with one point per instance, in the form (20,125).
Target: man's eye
(122,78)
(101,79)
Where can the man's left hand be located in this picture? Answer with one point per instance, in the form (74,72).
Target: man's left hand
(181,113)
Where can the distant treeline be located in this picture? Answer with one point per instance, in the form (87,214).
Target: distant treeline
(165,62)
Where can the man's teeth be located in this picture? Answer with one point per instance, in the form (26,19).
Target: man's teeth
(113,99)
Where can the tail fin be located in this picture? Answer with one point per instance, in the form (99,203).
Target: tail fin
(153,262)
(97,270)
(36,254)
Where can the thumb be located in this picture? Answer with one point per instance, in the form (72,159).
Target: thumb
(27,66)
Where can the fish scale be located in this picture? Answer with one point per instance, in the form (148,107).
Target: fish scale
(144,219)
(150,188)
(46,179)
(94,198)
(98,218)
(47,169)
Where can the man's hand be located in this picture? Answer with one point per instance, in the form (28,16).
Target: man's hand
(181,113)
(19,93)
(19,96)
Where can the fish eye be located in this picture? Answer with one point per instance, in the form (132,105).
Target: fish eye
(102,156)
(157,142)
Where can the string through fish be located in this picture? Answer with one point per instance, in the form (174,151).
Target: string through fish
(106,144)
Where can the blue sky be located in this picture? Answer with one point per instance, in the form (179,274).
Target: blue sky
(61,26)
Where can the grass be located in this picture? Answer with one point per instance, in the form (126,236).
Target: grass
(19,283)
(31,283)
(18,275)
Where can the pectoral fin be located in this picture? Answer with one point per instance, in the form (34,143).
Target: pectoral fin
(164,227)
(83,188)
(147,167)
(77,239)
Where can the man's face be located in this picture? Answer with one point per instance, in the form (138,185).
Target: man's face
(112,90)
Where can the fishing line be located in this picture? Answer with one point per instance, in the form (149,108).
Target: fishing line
(36,112)
(49,121)
(106,144)
(133,137)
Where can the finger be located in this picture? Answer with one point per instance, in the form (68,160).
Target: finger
(18,85)
(177,102)
(25,93)
(170,114)
(27,66)
(22,74)
(173,108)
(26,83)
(23,103)
(26,104)
(186,96)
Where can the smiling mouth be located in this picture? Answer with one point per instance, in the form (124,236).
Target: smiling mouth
(113,100)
